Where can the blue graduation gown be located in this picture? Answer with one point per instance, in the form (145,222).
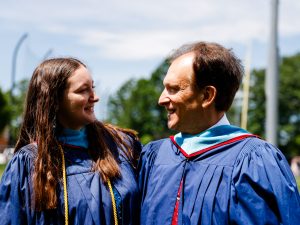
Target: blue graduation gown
(245,182)
(88,198)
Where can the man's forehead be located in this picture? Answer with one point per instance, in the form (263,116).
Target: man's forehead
(185,59)
(180,69)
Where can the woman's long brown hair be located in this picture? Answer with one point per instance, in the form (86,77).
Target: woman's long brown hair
(45,91)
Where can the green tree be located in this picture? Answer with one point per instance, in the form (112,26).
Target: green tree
(17,106)
(289,103)
(5,111)
(135,106)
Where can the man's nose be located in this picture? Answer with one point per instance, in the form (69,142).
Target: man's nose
(163,99)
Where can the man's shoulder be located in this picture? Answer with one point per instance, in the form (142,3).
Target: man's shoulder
(151,149)
(254,143)
(155,145)
(254,147)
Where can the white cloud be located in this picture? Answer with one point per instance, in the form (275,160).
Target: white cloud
(216,16)
(147,29)
(143,44)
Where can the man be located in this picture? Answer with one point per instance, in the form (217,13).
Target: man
(211,172)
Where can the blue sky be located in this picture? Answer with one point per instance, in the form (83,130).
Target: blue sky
(119,40)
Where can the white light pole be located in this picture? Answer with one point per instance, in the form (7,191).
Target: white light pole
(13,77)
(272,74)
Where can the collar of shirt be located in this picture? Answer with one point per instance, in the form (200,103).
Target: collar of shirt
(222,121)
(74,137)
(220,132)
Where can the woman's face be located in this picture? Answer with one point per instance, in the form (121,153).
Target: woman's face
(76,109)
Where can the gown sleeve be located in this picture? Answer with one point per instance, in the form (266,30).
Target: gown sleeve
(263,188)
(15,190)
(147,159)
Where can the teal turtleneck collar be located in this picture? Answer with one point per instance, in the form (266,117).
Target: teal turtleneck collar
(74,137)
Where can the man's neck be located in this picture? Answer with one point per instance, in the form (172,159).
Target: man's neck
(222,121)
(207,121)
(213,119)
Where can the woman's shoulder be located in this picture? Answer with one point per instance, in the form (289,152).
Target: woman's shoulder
(124,141)
(124,133)
(27,152)
(21,164)
(123,136)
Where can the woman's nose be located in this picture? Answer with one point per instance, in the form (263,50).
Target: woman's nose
(94,97)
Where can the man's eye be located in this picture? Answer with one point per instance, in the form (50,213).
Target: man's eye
(172,90)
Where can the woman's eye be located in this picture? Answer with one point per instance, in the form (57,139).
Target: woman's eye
(83,90)
(87,89)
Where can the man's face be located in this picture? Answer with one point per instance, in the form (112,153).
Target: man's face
(181,98)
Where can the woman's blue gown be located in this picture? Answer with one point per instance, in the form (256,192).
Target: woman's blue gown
(89,199)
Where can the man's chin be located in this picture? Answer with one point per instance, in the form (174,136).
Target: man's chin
(172,126)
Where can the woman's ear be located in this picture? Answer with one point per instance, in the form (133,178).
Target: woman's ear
(209,95)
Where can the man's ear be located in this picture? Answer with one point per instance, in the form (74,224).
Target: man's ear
(209,95)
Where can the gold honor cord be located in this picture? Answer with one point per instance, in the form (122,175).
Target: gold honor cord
(65,186)
(113,201)
(66,192)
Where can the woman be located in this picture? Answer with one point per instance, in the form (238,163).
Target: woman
(68,167)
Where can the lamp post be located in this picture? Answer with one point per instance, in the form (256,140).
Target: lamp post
(47,54)
(14,63)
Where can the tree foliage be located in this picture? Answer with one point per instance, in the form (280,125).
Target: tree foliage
(16,108)
(5,112)
(135,106)
(289,105)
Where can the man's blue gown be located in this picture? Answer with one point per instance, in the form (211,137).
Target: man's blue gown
(245,182)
